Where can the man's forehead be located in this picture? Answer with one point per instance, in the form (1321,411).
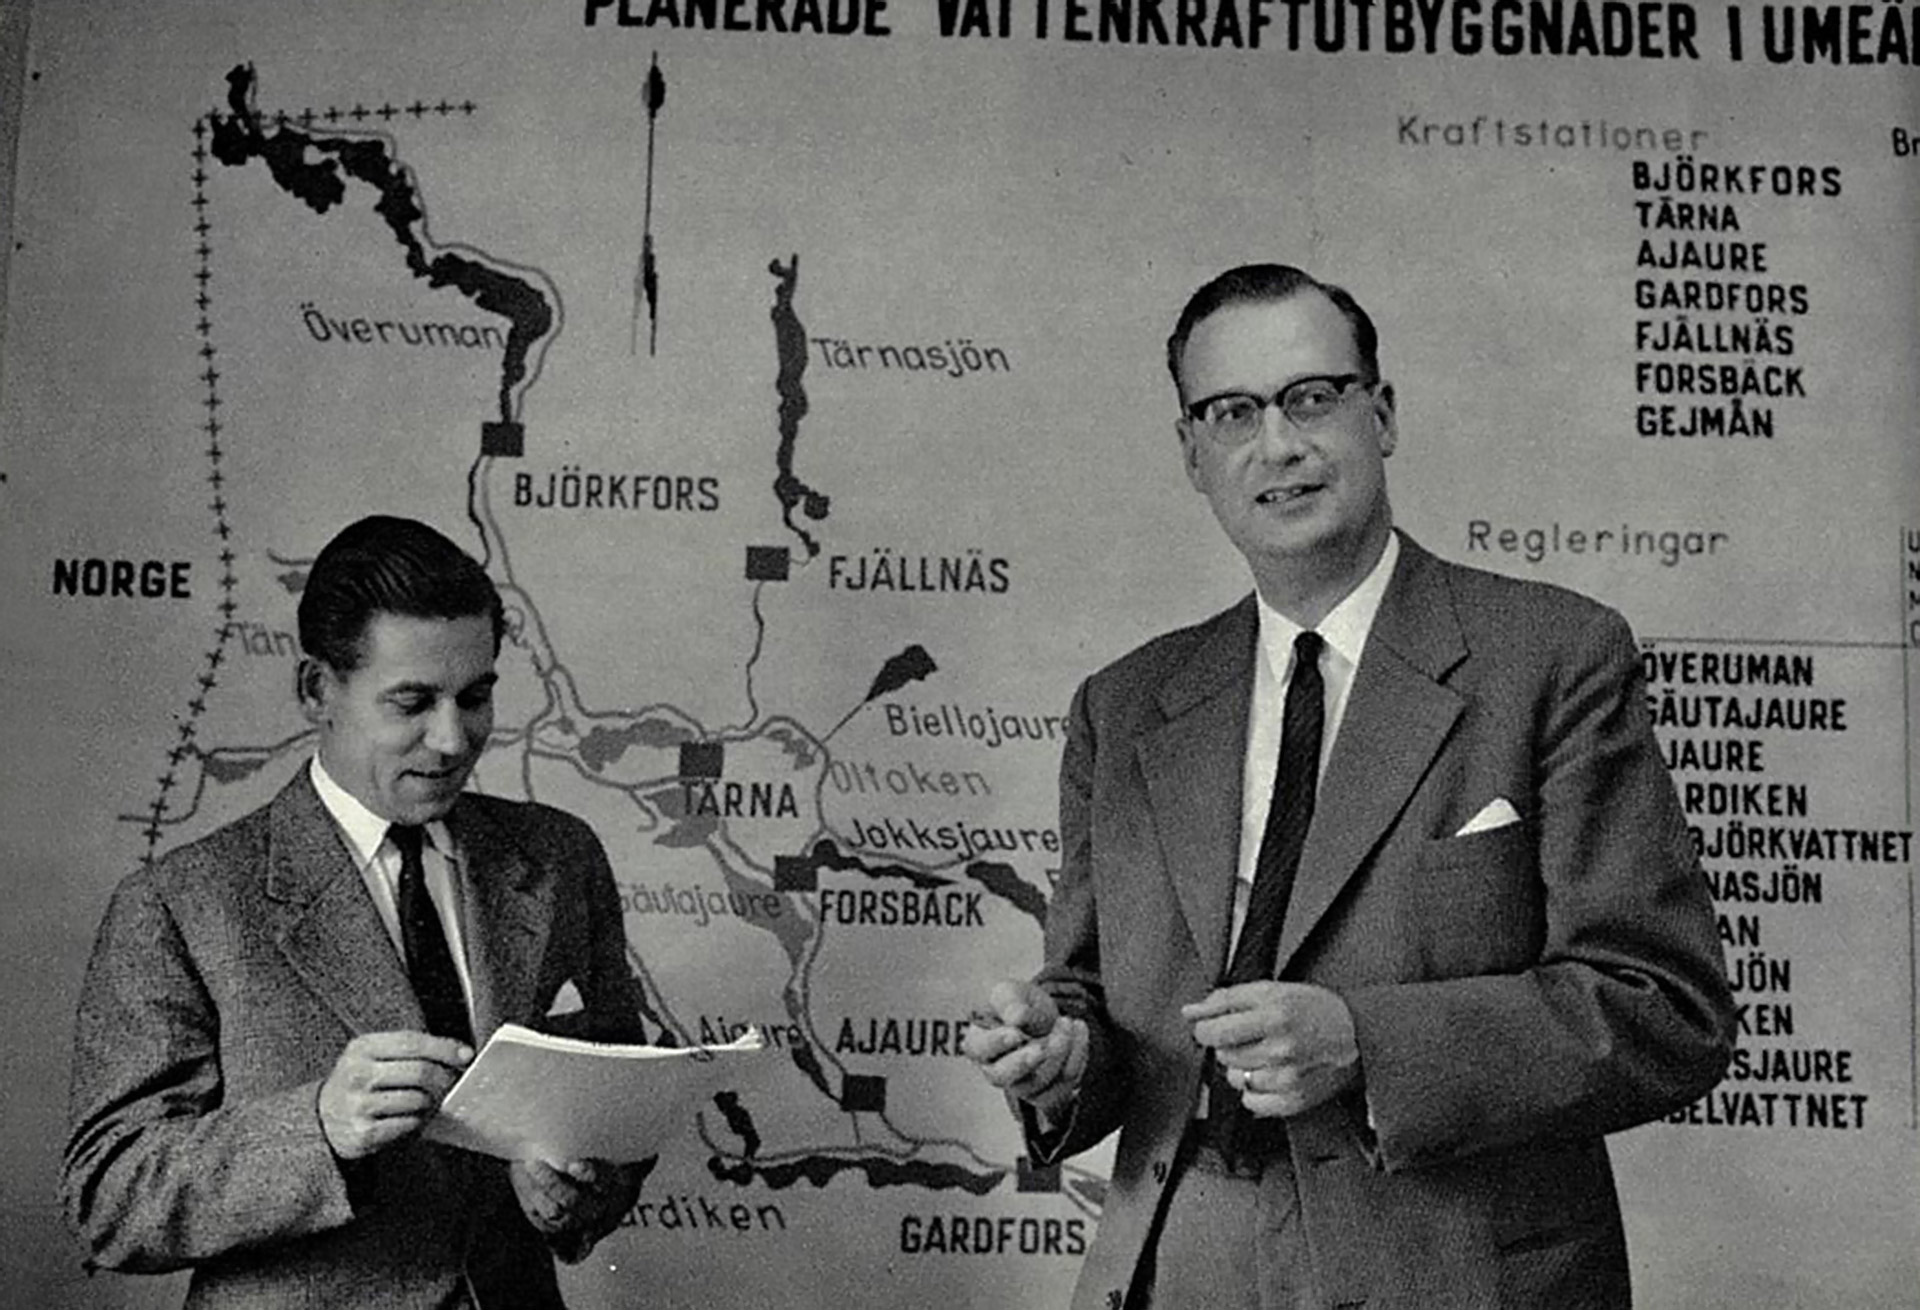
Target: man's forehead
(1304,332)
(400,648)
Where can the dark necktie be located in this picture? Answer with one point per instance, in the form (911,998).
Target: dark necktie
(1289,814)
(429,963)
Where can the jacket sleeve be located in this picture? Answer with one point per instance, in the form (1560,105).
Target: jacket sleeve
(1072,969)
(161,1170)
(612,1006)
(1627,1012)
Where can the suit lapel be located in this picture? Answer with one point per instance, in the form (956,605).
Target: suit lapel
(1398,715)
(325,921)
(1193,765)
(509,912)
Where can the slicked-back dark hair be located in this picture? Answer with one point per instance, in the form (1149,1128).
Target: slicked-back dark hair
(387,565)
(1264,284)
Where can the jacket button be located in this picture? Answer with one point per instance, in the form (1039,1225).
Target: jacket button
(1159,1171)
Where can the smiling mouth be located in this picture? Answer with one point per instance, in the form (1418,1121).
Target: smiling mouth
(1284,495)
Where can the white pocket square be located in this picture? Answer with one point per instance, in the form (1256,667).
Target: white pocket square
(1498,813)
(566,1001)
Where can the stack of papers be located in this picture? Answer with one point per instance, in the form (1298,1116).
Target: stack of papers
(530,1096)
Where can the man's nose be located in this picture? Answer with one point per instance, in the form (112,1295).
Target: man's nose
(1278,439)
(444,732)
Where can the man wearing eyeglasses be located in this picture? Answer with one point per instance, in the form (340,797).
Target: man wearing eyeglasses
(1377,910)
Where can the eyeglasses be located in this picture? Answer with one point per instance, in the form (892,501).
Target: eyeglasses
(1235,417)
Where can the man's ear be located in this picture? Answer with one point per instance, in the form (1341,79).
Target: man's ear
(313,688)
(1189,451)
(1383,418)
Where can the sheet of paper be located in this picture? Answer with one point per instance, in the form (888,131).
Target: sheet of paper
(558,1098)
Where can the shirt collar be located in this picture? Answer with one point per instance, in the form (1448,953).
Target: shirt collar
(363,829)
(1346,626)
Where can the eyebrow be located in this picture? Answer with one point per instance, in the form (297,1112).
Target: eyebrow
(488,679)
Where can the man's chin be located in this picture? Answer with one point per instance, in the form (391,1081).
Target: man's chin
(422,799)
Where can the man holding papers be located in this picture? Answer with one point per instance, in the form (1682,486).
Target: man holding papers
(273,1013)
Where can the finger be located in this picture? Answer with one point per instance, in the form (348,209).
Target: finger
(1011,1068)
(1064,1059)
(410,1045)
(1053,1059)
(1237,1060)
(1237,1029)
(1294,1091)
(1271,1105)
(985,1045)
(547,1191)
(1082,1047)
(378,1133)
(566,1177)
(401,1103)
(444,1052)
(557,1199)
(1019,1068)
(385,1045)
(423,1076)
(543,1210)
(1024,1006)
(1004,996)
(543,1173)
(1227,1000)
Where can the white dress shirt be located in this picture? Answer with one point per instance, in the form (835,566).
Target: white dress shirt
(1345,630)
(378,861)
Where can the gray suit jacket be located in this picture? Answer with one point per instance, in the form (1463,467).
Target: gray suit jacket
(224,982)
(1517,992)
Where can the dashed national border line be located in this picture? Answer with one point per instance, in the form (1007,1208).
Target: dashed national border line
(187,725)
(159,812)
(386,113)
(309,166)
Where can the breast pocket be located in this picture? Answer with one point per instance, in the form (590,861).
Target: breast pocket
(1476,902)
(1508,845)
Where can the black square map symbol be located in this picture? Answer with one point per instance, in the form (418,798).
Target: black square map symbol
(863,1091)
(795,873)
(702,759)
(503,439)
(1033,1177)
(767,563)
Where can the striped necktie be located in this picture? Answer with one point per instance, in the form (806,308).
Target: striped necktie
(1289,814)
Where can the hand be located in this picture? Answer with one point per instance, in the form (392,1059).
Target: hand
(1026,1047)
(385,1086)
(575,1204)
(1286,1046)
